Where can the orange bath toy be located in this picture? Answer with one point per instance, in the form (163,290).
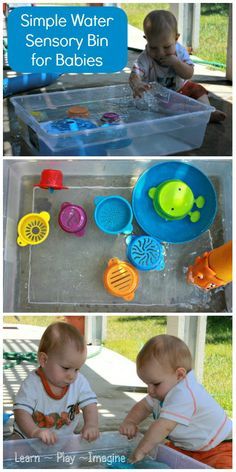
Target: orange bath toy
(212,269)
(121,279)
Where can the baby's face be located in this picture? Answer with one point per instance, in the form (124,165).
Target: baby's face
(159,379)
(161,45)
(61,369)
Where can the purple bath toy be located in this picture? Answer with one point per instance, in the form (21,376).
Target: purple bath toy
(110,117)
(72,219)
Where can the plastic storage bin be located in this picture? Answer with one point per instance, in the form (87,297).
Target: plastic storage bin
(65,274)
(87,455)
(162,123)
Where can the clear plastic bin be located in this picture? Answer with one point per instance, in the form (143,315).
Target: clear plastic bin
(86,455)
(65,273)
(163,122)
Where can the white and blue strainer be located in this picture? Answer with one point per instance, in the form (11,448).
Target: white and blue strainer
(145,252)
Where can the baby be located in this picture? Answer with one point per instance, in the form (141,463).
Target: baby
(183,411)
(166,61)
(51,397)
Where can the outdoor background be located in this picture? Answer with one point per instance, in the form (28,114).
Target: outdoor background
(213,26)
(127,334)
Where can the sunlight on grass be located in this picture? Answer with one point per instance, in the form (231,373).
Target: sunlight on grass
(32,320)
(213,38)
(136,12)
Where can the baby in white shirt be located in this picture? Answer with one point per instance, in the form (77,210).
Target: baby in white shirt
(183,411)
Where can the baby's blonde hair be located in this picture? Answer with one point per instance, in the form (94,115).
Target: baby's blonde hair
(58,335)
(159,21)
(167,350)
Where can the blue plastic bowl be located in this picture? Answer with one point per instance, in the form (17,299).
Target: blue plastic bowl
(113,215)
(145,252)
(179,231)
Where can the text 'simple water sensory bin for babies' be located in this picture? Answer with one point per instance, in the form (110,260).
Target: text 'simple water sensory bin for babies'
(66,272)
(163,122)
(110,451)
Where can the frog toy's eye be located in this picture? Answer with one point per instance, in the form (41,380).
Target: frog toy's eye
(200,276)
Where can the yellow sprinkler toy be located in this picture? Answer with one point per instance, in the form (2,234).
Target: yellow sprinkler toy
(33,228)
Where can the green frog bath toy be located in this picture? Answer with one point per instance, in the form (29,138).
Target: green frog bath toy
(174,200)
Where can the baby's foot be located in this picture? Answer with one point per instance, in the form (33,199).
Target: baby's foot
(217,116)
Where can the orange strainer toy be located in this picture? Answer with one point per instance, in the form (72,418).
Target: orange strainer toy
(121,279)
(33,228)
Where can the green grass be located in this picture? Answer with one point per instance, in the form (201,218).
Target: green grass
(213,38)
(217,377)
(213,27)
(32,320)
(136,12)
(126,335)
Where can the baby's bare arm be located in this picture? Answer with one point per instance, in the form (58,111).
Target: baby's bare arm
(137,85)
(31,430)
(137,414)
(157,432)
(182,69)
(90,429)
(25,422)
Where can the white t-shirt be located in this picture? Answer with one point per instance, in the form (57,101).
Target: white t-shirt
(202,423)
(49,412)
(148,70)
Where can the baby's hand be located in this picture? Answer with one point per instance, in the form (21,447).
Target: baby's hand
(170,60)
(90,433)
(139,90)
(47,436)
(128,429)
(136,456)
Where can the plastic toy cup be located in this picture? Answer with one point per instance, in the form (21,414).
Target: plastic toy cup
(33,228)
(52,179)
(174,199)
(72,219)
(116,137)
(121,279)
(113,215)
(145,252)
(78,111)
(110,117)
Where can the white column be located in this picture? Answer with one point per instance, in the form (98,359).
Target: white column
(188,18)
(229,47)
(95,329)
(192,330)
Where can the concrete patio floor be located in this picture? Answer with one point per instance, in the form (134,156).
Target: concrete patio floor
(218,137)
(112,377)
